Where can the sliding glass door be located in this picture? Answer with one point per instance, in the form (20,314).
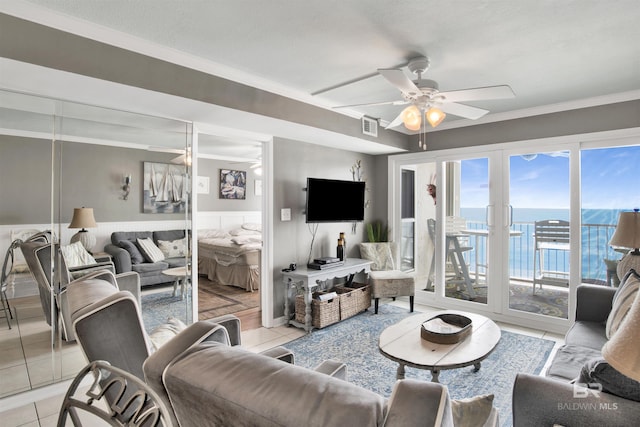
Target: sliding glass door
(539,243)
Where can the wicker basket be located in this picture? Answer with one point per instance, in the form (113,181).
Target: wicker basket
(323,313)
(356,298)
(348,302)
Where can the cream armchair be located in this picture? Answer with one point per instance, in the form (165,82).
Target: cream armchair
(385,278)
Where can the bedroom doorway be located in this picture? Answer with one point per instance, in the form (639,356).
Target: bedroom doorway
(229,228)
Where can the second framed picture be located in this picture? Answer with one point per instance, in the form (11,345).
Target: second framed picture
(233,184)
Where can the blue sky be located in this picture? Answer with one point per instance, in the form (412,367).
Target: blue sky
(609,180)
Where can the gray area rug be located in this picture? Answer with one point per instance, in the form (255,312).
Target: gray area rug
(158,306)
(355,342)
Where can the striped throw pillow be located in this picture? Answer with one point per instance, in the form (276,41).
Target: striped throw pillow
(149,250)
(622,301)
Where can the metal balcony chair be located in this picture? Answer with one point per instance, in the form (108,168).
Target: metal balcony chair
(551,237)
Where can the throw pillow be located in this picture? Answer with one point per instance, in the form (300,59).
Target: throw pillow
(212,234)
(380,254)
(75,255)
(134,252)
(598,371)
(472,412)
(161,334)
(149,250)
(622,301)
(173,248)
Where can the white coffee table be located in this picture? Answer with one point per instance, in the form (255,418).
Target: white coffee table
(182,275)
(402,343)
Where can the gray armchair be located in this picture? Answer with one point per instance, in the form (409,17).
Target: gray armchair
(42,261)
(108,326)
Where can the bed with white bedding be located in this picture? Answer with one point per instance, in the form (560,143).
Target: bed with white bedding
(231,257)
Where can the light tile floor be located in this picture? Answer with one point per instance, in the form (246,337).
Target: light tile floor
(44,413)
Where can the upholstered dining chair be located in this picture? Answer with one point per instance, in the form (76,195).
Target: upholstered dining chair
(386,279)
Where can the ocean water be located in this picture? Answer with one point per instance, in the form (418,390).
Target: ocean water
(597,228)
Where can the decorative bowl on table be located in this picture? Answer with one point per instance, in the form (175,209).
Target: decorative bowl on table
(446,328)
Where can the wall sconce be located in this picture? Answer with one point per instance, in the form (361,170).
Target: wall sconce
(126,187)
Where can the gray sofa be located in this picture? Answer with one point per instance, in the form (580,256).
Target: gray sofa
(150,272)
(554,399)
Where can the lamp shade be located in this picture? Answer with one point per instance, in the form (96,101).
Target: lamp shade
(627,234)
(435,116)
(83,218)
(622,351)
(411,118)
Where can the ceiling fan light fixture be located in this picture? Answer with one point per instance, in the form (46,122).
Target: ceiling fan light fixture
(411,118)
(435,116)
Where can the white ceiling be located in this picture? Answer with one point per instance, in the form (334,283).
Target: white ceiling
(553,54)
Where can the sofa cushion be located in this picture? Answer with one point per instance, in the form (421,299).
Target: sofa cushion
(586,334)
(149,250)
(150,267)
(600,372)
(622,301)
(568,361)
(134,252)
(176,262)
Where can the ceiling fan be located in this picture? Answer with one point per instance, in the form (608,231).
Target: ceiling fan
(426,99)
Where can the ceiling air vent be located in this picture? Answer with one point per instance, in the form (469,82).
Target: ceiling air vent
(369,126)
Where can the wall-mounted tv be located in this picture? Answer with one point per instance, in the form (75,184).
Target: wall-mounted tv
(330,200)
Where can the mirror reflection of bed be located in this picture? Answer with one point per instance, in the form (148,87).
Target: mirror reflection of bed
(229,273)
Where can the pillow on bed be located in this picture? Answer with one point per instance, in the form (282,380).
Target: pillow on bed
(213,233)
(243,232)
(243,240)
(252,226)
(173,248)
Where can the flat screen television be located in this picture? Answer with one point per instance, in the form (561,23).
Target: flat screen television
(330,200)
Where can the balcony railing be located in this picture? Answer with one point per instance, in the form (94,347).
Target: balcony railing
(595,248)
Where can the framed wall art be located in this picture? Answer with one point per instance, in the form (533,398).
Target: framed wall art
(164,189)
(203,185)
(233,184)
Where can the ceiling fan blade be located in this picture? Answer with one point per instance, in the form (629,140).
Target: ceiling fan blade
(461,110)
(371,104)
(397,121)
(479,94)
(400,80)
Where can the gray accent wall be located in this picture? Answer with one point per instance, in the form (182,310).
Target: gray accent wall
(294,161)
(622,115)
(212,201)
(89,175)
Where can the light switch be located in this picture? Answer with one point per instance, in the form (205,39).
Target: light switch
(285,214)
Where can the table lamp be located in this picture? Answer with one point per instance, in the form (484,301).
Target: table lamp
(83,218)
(627,235)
